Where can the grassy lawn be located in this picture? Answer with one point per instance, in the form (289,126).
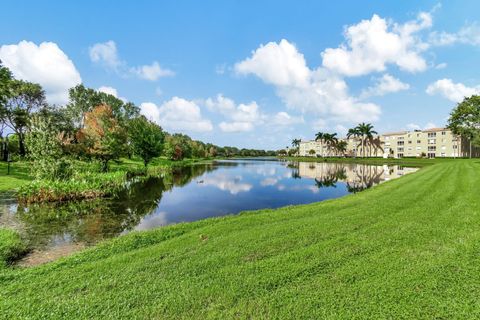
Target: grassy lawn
(409,248)
(19,175)
(416,162)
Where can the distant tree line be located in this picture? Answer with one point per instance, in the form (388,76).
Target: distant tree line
(93,125)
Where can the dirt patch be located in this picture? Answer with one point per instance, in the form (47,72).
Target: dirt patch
(37,257)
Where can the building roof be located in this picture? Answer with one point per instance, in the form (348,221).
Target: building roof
(435,129)
(395,133)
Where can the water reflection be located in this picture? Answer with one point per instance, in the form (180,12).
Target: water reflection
(188,194)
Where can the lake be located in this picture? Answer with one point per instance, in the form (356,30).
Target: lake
(187,194)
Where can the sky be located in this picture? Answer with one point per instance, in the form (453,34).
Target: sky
(254,74)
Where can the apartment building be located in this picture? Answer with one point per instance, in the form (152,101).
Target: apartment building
(431,143)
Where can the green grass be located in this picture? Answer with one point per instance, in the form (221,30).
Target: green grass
(11,247)
(409,248)
(415,162)
(19,175)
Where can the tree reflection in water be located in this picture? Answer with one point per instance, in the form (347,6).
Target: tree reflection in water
(91,221)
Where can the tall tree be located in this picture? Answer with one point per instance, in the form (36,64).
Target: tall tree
(366,132)
(464,120)
(353,132)
(25,98)
(102,135)
(146,138)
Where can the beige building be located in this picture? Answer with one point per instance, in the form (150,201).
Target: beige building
(431,143)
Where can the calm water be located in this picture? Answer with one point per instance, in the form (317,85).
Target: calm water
(188,194)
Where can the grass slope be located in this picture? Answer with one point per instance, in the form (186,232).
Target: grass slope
(18,176)
(409,248)
(11,246)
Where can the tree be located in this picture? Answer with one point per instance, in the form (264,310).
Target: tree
(464,120)
(146,138)
(25,98)
(102,135)
(311,152)
(366,131)
(45,150)
(319,136)
(330,140)
(341,147)
(83,100)
(355,133)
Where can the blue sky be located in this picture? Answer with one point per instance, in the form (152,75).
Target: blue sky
(254,73)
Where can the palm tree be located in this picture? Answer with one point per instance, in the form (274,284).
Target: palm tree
(296,144)
(355,133)
(367,132)
(330,140)
(319,136)
(341,147)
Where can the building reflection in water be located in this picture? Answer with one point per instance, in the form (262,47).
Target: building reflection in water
(357,177)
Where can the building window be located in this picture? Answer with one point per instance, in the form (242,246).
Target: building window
(432,148)
(401,138)
(409,141)
(443,133)
(399,149)
(455,147)
(400,143)
(432,134)
(419,141)
(431,155)
(431,141)
(400,155)
(418,135)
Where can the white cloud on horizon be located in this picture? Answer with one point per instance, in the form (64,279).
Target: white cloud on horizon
(45,64)
(177,114)
(455,92)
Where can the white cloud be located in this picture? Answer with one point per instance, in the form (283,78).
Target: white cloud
(152,72)
(468,34)
(235,126)
(242,117)
(45,64)
(442,65)
(383,85)
(372,44)
(108,90)
(177,114)
(455,92)
(284,119)
(105,54)
(224,182)
(269,182)
(413,126)
(278,64)
(319,91)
